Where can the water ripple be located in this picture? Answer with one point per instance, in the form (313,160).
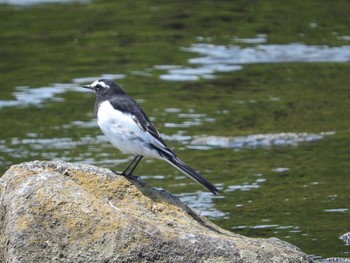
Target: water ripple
(25,96)
(227,58)
(255,141)
(35,2)
(203,202)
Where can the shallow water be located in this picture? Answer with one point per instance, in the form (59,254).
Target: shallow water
(259,107)
(219,58)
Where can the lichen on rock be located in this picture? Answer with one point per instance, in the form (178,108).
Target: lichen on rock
(53,211)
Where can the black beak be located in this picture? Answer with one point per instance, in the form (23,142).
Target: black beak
(88,87)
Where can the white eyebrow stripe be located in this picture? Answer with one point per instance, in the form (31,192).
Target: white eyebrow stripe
(103,84)
(99,83)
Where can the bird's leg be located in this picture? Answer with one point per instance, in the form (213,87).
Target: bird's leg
(129,165)
(125,172)
(137,162)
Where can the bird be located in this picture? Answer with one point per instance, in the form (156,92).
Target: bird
(129,129)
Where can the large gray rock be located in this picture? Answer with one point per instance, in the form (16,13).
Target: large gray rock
(62,212)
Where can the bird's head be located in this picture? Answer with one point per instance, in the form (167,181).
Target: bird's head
(103,86)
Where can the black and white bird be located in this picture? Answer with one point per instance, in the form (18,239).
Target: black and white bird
(128,128)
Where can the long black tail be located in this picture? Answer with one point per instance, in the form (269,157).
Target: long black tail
(181,166)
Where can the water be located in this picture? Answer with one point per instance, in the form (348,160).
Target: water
(25,3)
(219,58)
(260,108)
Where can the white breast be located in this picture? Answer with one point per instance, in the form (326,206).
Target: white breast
(124,133)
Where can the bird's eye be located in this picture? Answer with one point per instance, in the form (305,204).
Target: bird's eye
(98,87)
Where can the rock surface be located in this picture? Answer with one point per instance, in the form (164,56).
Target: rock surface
(61,212)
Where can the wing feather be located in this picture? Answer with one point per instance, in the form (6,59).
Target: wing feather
(126,104)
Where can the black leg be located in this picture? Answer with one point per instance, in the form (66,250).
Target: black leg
(124,172)
(133,165)
(137,162)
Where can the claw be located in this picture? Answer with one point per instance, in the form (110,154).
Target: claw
(127,175)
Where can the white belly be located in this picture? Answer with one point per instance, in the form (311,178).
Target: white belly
(122,131)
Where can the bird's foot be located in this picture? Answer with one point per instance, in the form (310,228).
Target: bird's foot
(127,175)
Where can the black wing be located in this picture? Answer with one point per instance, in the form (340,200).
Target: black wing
(124,103)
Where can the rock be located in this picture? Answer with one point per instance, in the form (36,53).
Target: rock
(346,238)
(61,212)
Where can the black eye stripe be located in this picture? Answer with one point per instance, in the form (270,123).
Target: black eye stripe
(100,86)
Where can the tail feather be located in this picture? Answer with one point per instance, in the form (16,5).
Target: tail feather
(171,158)
(181,166)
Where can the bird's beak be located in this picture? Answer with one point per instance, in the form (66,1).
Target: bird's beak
(88,87)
